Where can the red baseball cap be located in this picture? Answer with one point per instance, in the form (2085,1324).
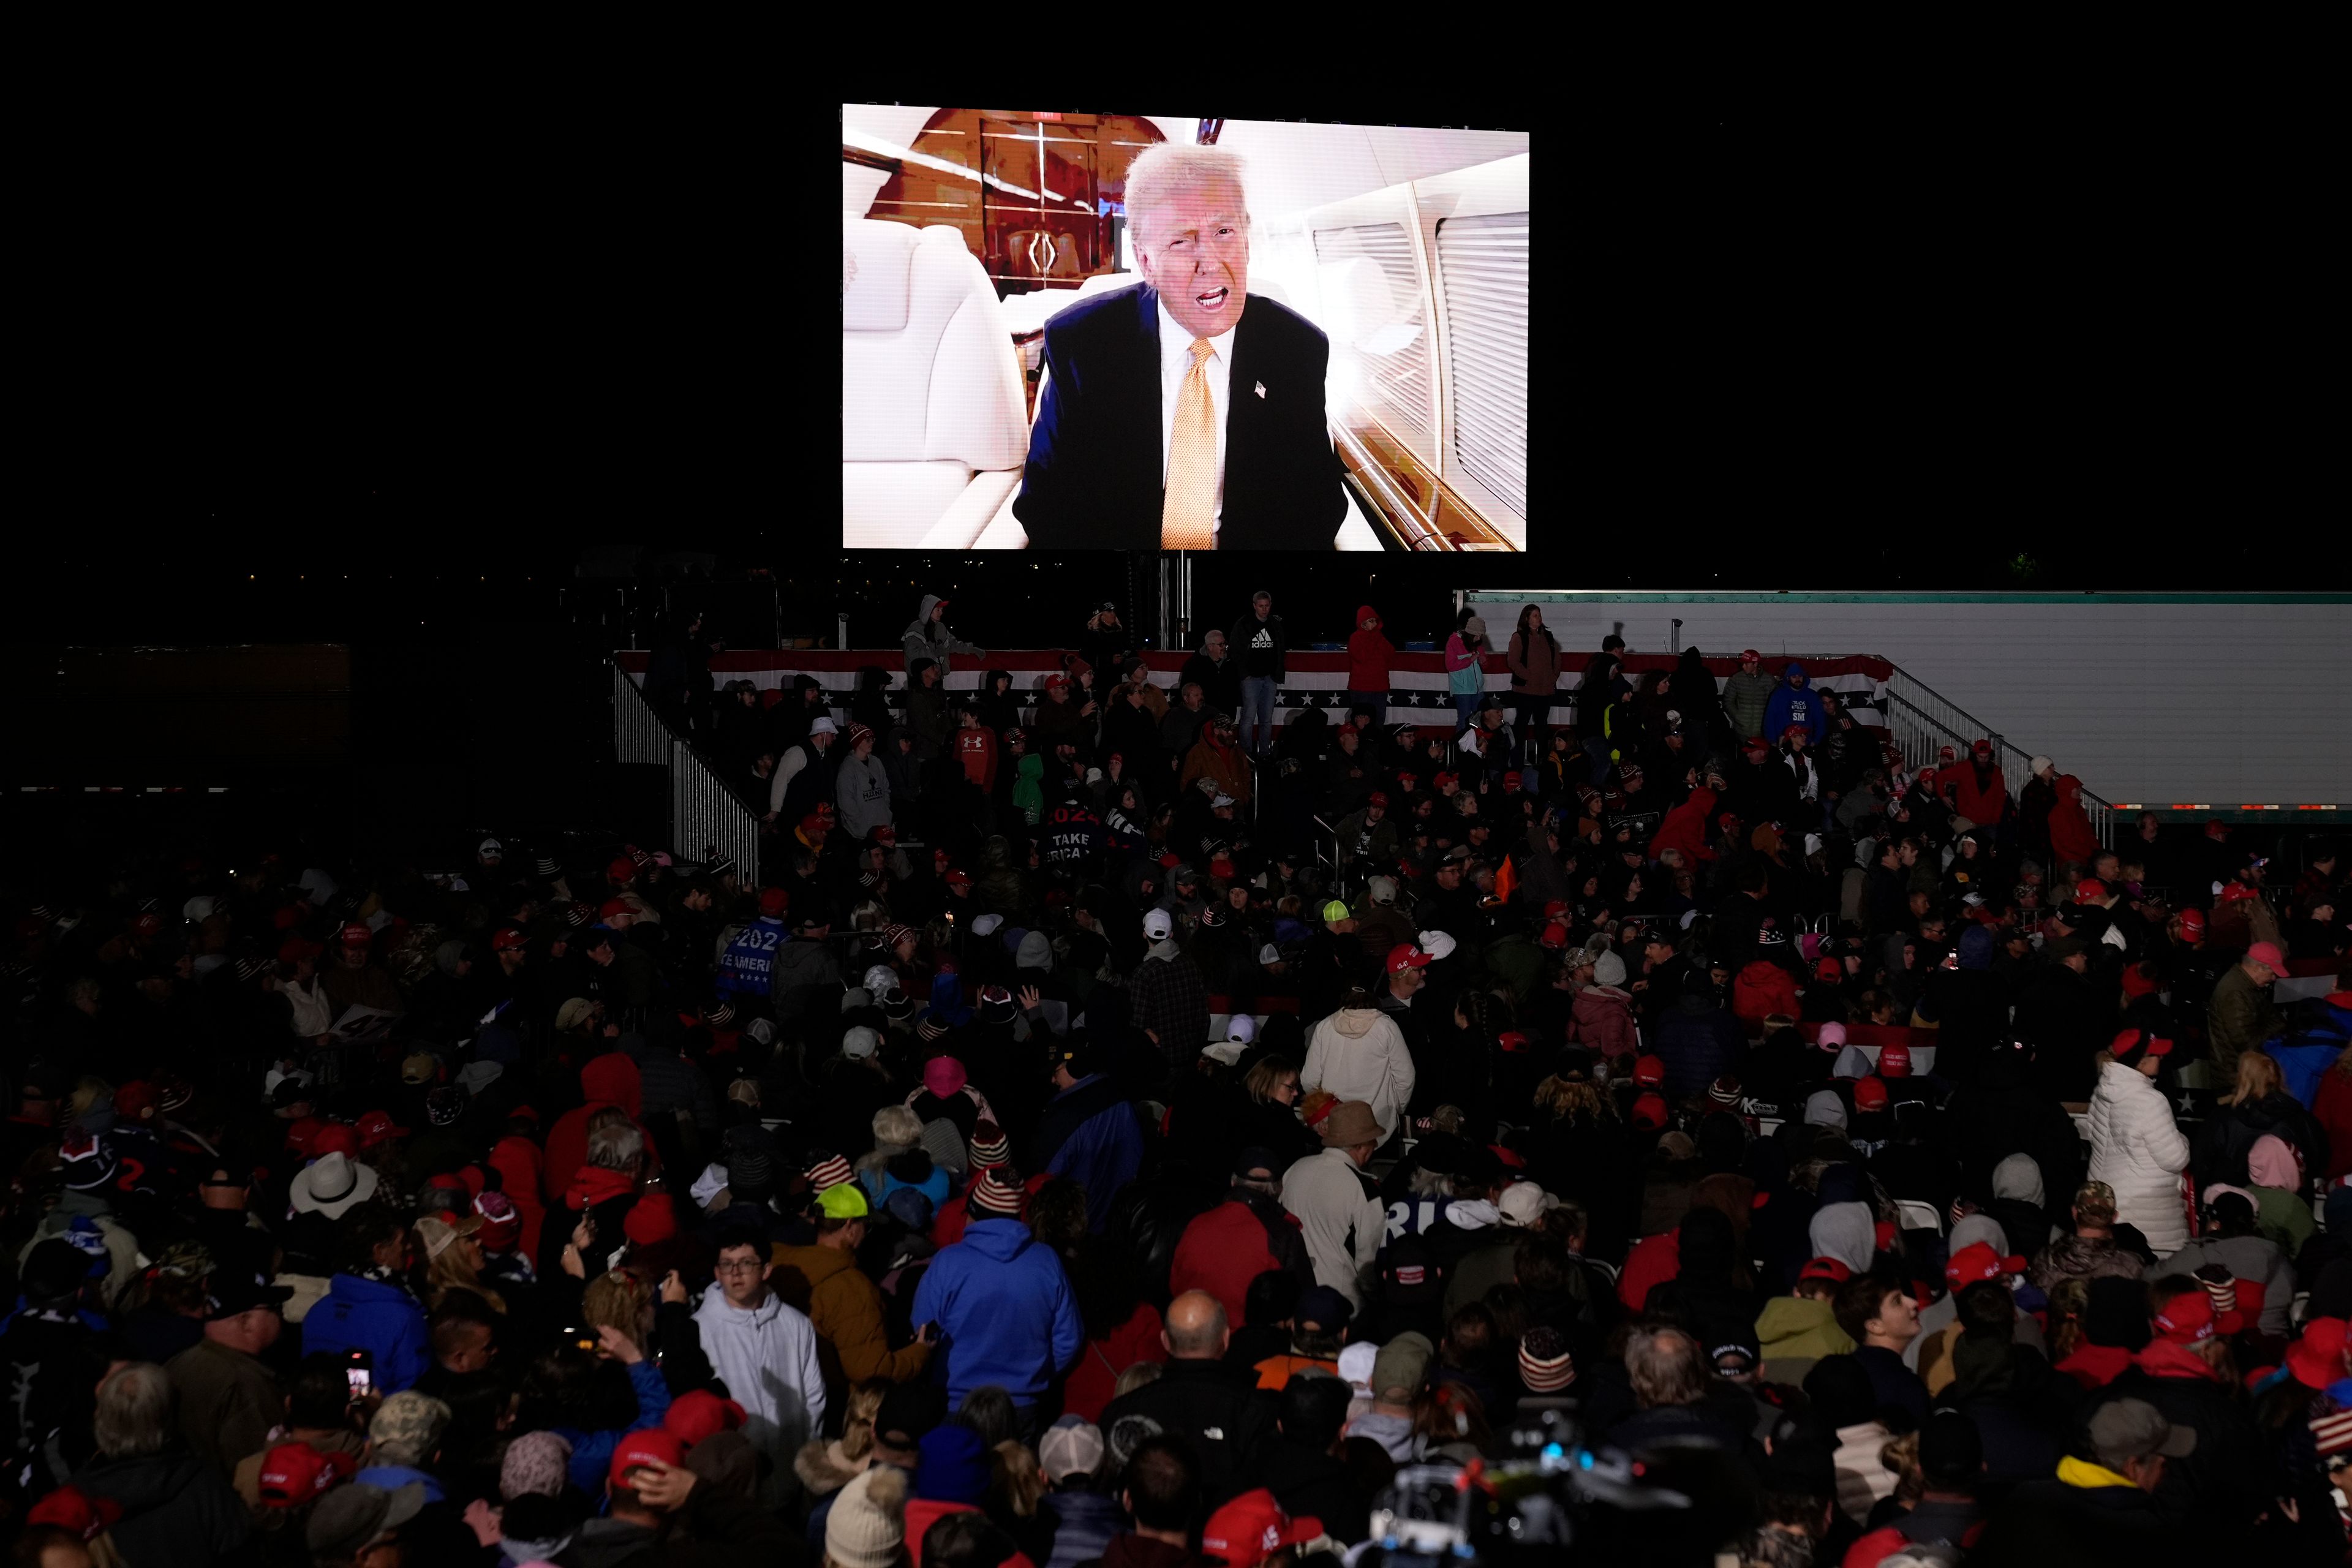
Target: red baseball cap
(1869,1094)
(70,1508)
(376,1126)
(513,939)
(2192,921)
(1379,797)
(959,878)
(1894,1061)
(700,1414)
(1441,780)
(1829,969)
(2189,1318)
(1980,749)
(334,1138)
(357,936)
(612,907)
(1555,935)
(1756,746)
(1513,1041)
(1976,1262)
(2268,956)
(1649,1071)
(1828,1269)
(302,1134)
(2317,1359)
(2089,887)
(1650,1112)
(622,870)
(294,1473)
(1251,1528)
(137,1101)
(1749,656)
(1407,955)
(2131,1040)
(773,901)
(652,1445)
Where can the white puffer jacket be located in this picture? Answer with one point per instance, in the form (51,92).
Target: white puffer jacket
(2137,1150)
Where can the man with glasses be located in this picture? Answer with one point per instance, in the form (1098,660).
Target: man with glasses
(766,1353)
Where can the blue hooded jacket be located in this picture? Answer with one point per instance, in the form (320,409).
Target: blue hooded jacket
(592,1452)
(386,1321)
(1005,1311)
(1796,704)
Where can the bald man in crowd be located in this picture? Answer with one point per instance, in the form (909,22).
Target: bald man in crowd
(1213,1407)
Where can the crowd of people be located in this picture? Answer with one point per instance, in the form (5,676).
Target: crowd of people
(1138,1125)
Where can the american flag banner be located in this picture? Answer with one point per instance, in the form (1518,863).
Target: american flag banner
(1314,679)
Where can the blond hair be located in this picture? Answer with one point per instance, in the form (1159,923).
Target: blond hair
(617,1298)
(1019,1479)
(1161,173)
(2258,1074)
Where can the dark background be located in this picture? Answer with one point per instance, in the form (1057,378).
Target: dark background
(392,391)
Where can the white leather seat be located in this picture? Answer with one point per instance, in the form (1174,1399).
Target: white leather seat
(933,433)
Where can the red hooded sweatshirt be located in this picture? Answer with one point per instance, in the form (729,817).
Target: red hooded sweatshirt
(1762,989)
(2071,837)
(1685,828)
(517,1160)
(1367,653)
(1980,804)
(609,1080)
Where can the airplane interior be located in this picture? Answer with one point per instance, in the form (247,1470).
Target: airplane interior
(965,232)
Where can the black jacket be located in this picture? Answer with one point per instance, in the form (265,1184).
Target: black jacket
(1094,478)
(1261,647)
(1214,1409)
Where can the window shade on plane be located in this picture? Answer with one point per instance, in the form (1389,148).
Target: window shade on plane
(1482,268)
(1391,358)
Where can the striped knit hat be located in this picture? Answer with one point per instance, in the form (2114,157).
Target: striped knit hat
(829,1171)
(2331,1434)
(990,1146)
(1724,1090)
(720,1014)
(997,1194)
(1544,1363)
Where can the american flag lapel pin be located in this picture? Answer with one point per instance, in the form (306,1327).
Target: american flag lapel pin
(1261,389)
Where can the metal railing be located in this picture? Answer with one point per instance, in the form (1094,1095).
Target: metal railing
(1923,722)
(706,817)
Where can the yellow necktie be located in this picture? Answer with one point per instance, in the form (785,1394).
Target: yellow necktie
(1187,517)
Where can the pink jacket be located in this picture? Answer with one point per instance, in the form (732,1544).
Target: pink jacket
(1603,1020)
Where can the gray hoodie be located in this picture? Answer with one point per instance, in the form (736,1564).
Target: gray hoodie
(927,638)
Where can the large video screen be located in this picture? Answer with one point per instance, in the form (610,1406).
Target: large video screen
(1067,331)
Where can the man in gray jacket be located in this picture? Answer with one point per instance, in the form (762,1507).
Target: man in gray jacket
(1745,694)
(927,636)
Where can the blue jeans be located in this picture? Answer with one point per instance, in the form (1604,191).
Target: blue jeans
(1376,703)
(1466,703)
(1257,709)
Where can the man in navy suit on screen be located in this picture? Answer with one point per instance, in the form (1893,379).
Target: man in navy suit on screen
(1183,412)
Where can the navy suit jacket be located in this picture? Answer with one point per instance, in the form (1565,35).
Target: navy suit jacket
(1094,476)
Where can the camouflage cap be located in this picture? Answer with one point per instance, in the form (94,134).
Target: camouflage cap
(407,1429)
(2095,1198)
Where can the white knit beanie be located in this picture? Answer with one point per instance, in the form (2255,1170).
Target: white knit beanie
(868,1526)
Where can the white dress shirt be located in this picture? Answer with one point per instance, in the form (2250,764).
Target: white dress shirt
(1175,364)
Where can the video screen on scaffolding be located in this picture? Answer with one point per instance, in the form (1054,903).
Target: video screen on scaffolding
(1066,330)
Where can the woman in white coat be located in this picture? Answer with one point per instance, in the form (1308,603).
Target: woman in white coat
(2136,1148)
(1357,1053)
